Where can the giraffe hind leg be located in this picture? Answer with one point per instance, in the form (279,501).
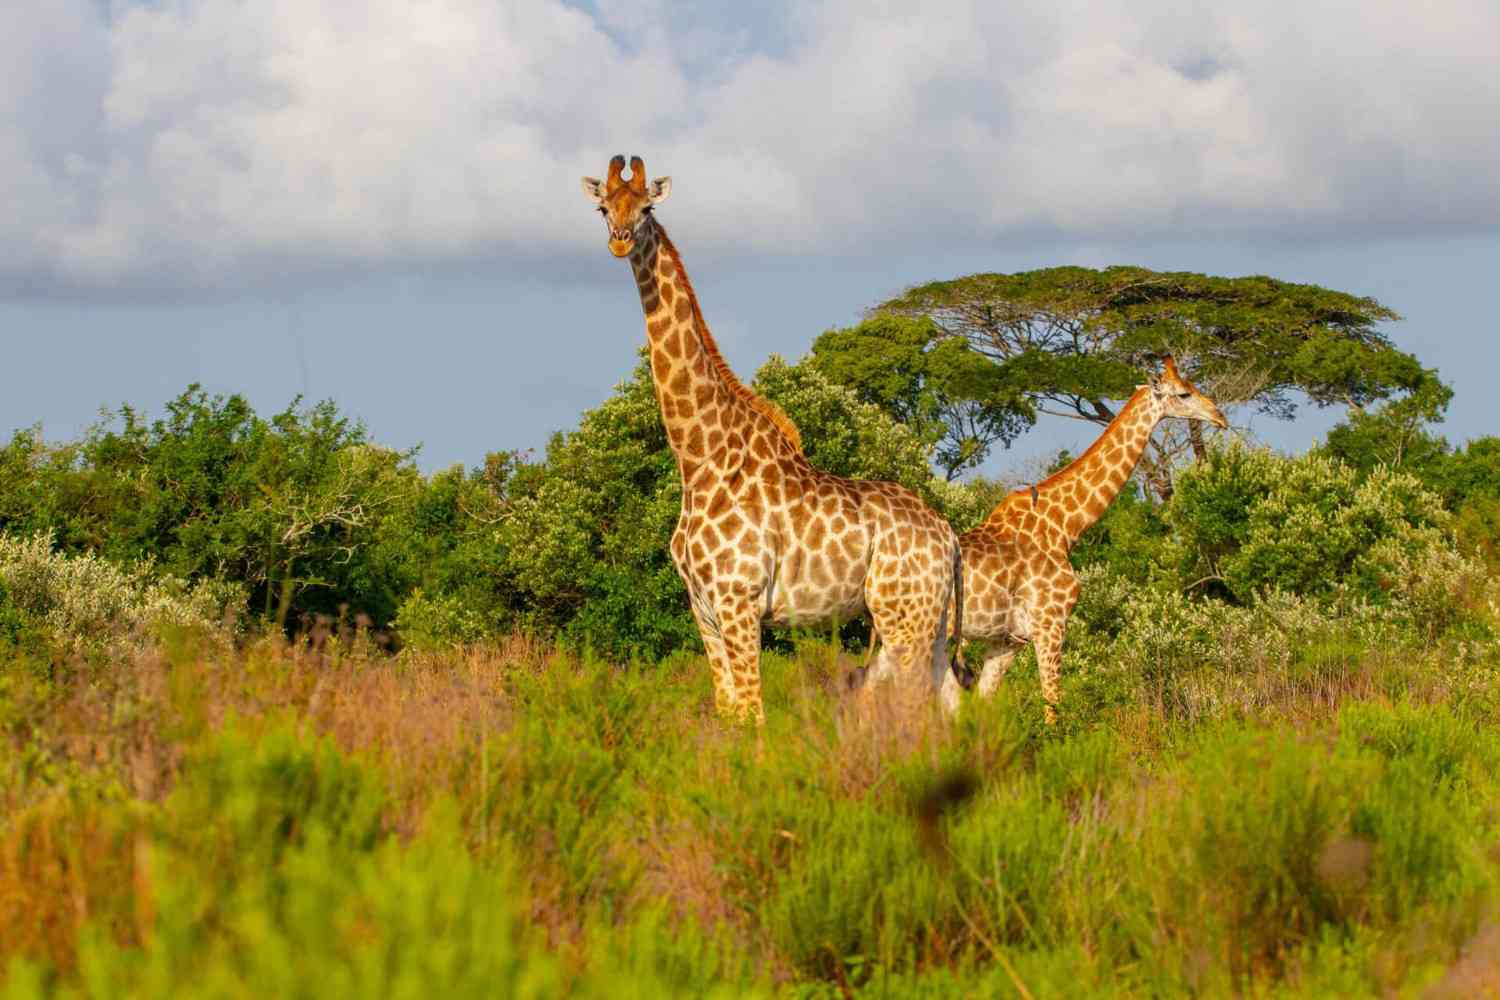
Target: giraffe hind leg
(996,663)
(906,638)
(857,676)
(944,677)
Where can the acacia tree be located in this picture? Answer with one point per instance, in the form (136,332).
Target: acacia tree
(930,382)
(1068,340)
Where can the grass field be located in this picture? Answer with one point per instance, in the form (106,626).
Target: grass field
(202,819)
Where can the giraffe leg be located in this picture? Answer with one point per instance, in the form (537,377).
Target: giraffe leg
(730,625)
(739,622)
(906,638)
(943,680)
(725,692)
(995,666)
(1048,639)
(905,613)
(859,674)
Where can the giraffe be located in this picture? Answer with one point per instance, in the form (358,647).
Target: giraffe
(1021,586)
(762,535)
(1019,583)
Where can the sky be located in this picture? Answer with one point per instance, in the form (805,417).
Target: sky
(377,201)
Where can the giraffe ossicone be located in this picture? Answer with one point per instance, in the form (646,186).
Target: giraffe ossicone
(763,535)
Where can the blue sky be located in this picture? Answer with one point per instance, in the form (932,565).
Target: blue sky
(378,203)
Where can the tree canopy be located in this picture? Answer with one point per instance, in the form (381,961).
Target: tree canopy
(935,385)
(985,354)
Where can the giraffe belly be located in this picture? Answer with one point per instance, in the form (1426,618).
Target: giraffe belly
(995,614)
(813,588)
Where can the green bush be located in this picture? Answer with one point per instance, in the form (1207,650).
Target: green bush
(434,623)
(249,798)
(85,600)
(858,897)
(1421,813)
(1011,849)
(1248,841)
(285,507)
(273,873)
(1478,529)
(1249,521)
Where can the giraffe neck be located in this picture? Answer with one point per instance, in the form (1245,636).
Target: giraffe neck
(696,400)
(1075,497)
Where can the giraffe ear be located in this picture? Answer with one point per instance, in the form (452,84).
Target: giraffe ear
(594,188)
(658,190)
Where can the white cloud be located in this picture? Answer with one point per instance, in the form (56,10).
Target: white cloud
(215,142)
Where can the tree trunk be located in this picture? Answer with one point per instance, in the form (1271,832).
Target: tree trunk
(1156,471)
(1195,436)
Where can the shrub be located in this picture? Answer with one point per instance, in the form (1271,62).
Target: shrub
(87,600)
(434,623)
(1248,839)
(1250,521)
(857,897)
(286,506)
(1419,814)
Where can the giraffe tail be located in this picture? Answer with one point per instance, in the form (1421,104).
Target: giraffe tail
(961,671)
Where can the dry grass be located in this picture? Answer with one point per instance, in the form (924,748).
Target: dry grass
(66,859)
(64,864)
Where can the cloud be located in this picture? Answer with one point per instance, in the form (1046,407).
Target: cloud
(218,144)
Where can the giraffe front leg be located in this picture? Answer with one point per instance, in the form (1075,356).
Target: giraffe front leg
(710,630)
(1048,640)
(739,623)
(730,625)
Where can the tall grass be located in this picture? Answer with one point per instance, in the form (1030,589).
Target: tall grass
(512,821)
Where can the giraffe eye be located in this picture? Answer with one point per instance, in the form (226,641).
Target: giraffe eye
(603,210)
(1183,395)
(648,209)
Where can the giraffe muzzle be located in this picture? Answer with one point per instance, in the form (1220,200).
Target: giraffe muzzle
(621,241)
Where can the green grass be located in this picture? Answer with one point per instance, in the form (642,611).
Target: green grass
(516,822)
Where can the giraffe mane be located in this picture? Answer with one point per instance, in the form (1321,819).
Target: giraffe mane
(757,402)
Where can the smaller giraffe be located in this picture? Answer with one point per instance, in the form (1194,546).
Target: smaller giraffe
(1019,585)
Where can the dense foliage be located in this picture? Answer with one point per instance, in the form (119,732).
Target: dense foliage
(938,386)
(287,507)
(300,519)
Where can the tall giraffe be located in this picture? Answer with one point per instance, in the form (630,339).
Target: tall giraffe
(762,534)
(1019,583)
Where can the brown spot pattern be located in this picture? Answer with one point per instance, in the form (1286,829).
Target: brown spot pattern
(752,505)
(1019,584)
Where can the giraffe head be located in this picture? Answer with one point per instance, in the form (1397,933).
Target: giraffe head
(625,204)
(1177,397)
